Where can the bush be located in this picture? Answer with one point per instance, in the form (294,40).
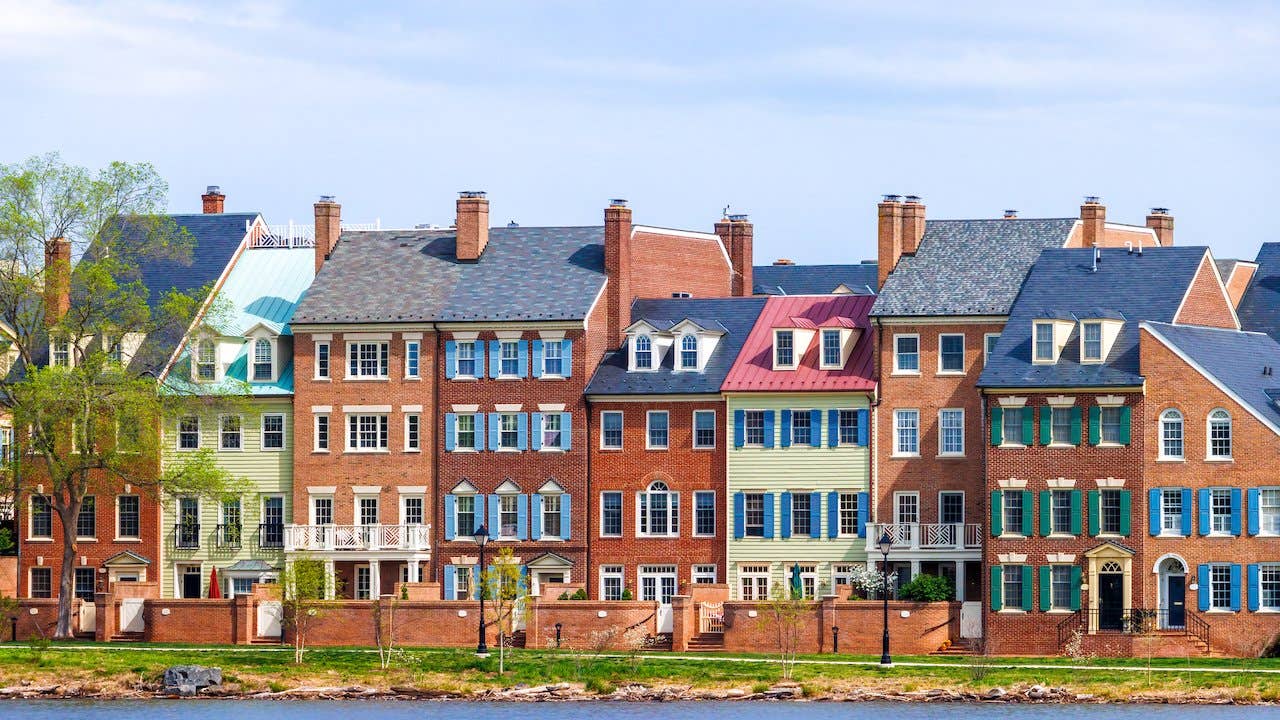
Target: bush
(928,588)
(626,594)
(581,594)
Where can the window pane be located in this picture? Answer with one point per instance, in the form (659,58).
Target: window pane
(704,422)
(907,431)
(952,425)
(907,353)
(657,429)
(951,348)
(612,436)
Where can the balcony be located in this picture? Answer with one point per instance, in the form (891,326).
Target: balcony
(357,538)
(270,536)
(229,535)
(927,536)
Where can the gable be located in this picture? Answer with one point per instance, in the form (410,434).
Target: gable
(1206,302)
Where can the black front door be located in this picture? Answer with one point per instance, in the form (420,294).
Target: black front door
(1110,601)
(191,583)
(1177,586)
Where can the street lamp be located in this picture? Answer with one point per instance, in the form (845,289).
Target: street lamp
(481,536)
(884,544)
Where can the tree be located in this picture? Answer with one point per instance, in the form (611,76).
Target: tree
(302,591)
(83,348)
(503,584)
(784,613)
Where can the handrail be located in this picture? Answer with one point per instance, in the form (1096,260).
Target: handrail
(1198,627)
(1071,624)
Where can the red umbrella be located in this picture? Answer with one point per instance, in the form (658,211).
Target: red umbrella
(214,590)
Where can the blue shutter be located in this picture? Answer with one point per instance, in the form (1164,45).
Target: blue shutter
(476,582)
(815,428)
(739,429)
(495,518)
(1235,587)
(1186,512)
(450,517)
(450,430)
(522,352)
(768,515)
(450,583)
(864,512)
(479,431)
(450,359)
(739,513)
(768,428)
(566,358)
(1153,512)
(864,427)
(566,527)
(833,514)
(1203,514)
(566,431)
(522,517)
(833,428)
(786,514)
(1235,511)
(537,358)
(786,429)
(815,514)
(1202,593)
(1254,524)
(495,358)
(522,431)
(1254,587)
(495,427)
(537,431)
(535,519)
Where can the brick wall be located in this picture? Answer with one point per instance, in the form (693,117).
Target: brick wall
(663,264)
(194,621)
(927,627)
(583,627)
(1206,303)
(9,576)
(41,623)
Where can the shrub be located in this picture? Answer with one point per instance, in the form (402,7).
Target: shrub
(626,594)
(564,595)
(1273,648)
(928,588)
(581,594)
(599,687)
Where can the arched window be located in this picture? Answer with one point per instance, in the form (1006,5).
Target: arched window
(689,352)
(1219,434)
(659,510)
(644,352)
(262,368)
(1171,434)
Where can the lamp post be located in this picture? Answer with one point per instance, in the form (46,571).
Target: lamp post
(481,536)
(884,544)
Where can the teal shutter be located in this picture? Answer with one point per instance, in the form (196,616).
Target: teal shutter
(522,431)
(739,513)
(768,515)
(1126,509)
(1203,514)
(1028,513)
(786,514)
(1095,513)
(566,358)
(1153,512)
(537,358)
(815,428)
(833,514)
(535,517)
(522,352)
(495,358)
(450,359)
(566,517)
(450,582)
(786,429)
(566,431)
(1028,432)
(997,588)
(536,440)
(864,513)
(522,517)
(1235,511)
(739,428)
(833,428)
(1126,415)
(495,427)
(450,517)
(997,513)
(1075,512)
(1202,592)
(768,428)
(864,427)
(815,515)
(1254,516)
(1046,510)
(1075,587)
(1095,425)
(450,431)
(1046,588)
(997,425)
(1026,588)
(1235,587)
(1255,587)
(479,431)
(1075,425)
(1046,424)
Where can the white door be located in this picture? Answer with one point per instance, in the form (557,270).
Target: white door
(88,617)
(131,615)
(658,584)
(270,616)
(971,620)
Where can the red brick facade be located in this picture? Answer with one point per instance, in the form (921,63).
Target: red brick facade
(1206,302)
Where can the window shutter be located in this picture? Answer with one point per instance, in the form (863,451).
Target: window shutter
(1255,587)
(997,425)
(786,514)
(1028,513)
(815,428)
(1095,425)
(1026,588)
(1186,512)
(566,517)
(566,358)
(1202,593)
(450,359)
(537,358)
(997,588)
(450,517)
(815,515)
(997,513)
(864,512)
(536,440)
(739,429)
(1095,513)
(1235,587)
(495,427)
(833,514)
(1235,511)
(1126,414)
(495,358)
(535,518)
(739,512)
(450,428)
(768,428)
(1075,587)
(566,431)
(1046,588)
(1075,425)
(479,431)
(477,582)
(522,517)
(1028,432)
(1153,512)
(1254,516)
(450,582)
(1203,515)
(1046,510)
(864,427)
(522,352)
(833,428)
(768,515)
(522,431)
(479,511)
(1075,512)
(1126,509)
(495,517)
(786,429)
(1046,424)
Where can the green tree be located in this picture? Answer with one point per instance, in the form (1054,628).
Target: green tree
(785,614)
(302,589)
(928,588)
(85,347)
(503,584)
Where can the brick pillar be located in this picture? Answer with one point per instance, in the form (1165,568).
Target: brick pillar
(617,265)
(684,622)
(242,620)
(57,279)
(107,616)
(738,235)
(212,201)
(912,224)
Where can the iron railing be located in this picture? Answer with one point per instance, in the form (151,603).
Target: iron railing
(271,536)
(186,536)
(229,535)
(1134,621)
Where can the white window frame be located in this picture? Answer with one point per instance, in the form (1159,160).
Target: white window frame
(462,577)
(1054,411)
(502,431)
(898,427)
(1210,456)
(1171,522)
(714,430)
(1216,518)
(612,572)
(413,435)
(1054,495)
(963,354)
(942,506)
(513,500)
(942,432)
(552,502)
(900,517)
(180,433)
(1036,357)
(503,345)
(621,430)
(549,419)
(477,360)
(284,432)
(746,428)
(649,353)
(714,514)
(223,434)
(404,508)
(1263,570)
(1014,439)
(898,354)
(1170,417)
(987,347)
(1085,357)
(847,511)
(31,517)
(383,348)
(790,334)
(648,430)
(1214,570)
(197,362)
(703,574)
(1103,411)
(357,509)
(681,365)
(254,361)
(458,444)
(1011,517)
(750,576)
(796,414)
(412,348)
(476,517)
(823,347)
(1056,579)
(322,371)
(116,529)
(546,357)
(383,428)
(317,420)
(644,503)
(622,523)
(312,516)
(1263,530)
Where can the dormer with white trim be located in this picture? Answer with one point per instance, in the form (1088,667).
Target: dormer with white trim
(791,341)
(1049,334)
(1098,335)
(837,337)
(647,345)
(693,345)
(266,353)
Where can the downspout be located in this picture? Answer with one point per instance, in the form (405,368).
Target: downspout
(435,458)
(591,588)
(875,426)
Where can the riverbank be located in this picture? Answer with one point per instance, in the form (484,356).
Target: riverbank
(535,675)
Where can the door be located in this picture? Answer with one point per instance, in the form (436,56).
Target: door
(270,617)
(191,581)
(1176,593)
(131,615)
(971,620)
(271,533)
(541,578)
(1110,601)
(88,617)
(658,584)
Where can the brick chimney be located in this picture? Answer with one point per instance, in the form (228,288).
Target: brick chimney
(1093,217)
(738,236)
(328,228)
(912,224)
(783,261)
(889,236)
(1162,222)
(213,200)
(472,225)
(617,265)
(57,279)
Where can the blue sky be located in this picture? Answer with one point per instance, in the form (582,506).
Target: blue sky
(800,113)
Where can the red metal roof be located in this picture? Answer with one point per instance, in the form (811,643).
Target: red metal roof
(754,371)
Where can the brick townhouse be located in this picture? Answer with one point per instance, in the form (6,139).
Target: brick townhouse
(1068,439)
(446,385)
(657,502)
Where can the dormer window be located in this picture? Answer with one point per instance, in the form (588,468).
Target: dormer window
(831,354)
(689,352)
(784,349)
(1091,341)
(644,353)
(206,360)
(61,353)
(1044,345)
(262,365)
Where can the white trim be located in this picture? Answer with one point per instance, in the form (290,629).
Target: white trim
(622,508)
(1060,558)
(463,409)
(942,442)
(262,432)
(366,489)
(351,409)
(1012,401)
(550,407)
(895,370)
(1060,483)
(714,427)
(1012,558)
(411,408)
(365,336)
(1060,401)
(647,415)
(1013,484)
(963,354)
(508,335)
(321,489)
(1109,401)
(321,408)
(411,336)
(552,335)
(986,356)
(1110,482)
(594,303)
(622,428)
(507,408)
(321,337)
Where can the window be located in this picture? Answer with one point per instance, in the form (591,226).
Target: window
(41,517)
(465,429)
(1044,342)
(1060,511)
(412,358)
(366,433)
(1111,420)
(509,358)
(462,581)
(364,580)
(412,432)
(784,349)
(659,511)
(1269,587)
(848,427)
(322,510)
(1060,578)
(1220,587)
(1011,581)
(6,444)
(322,433)
(412,510)
(1171,511)
(262,366)
(465,522)
(1060,426)
(1220,511)
(553,358)
(989,341)
(753,423)
(509,431)
(1109,512)
(61,353)
(704,429)
(1012,426)
(808,581)
(467,359)
(87,519)
(611,582)
(273,431)
(84,584)
(801,427)
(271,532)
(656,438)
(704,574)
(367,359)
(1219,435)
(704,513)
(367,507)
(550,430)
(229,528)
(908,508)
(689,352)
(801,505)
(41,582)
(508,515)
(188,530)
(848,514)
(206,360)
(1013,513)
(831,354)
(951,353)
(322,360)
(128,517)
(1091,341)
(951,431)
(611,430)
(611,514)
(189,433)
(551,516)
(951,508)
(754,581)
(906,353)
(644,353)
(1171,434)
(230,433)
(906,431)
(753,515)
(1269,511)
(842,574)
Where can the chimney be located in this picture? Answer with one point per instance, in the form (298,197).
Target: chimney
(617,265)
(213,200)
(912,224)
(328,228)
(472,225)
(784,261)
(1093,216)
(737,234)
(1162,222)
(57,279)
(1010,214)
(889,236)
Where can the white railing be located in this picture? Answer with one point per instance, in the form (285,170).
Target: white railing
(356,537)
(711,617)
(927,536)
(294,235)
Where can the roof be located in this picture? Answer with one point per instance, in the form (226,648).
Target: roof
(754,371)
(859,278)
(1128,286)
(733,316)
(1259,309)
(251,565)
(1233,360)
(968,267)
(525,273)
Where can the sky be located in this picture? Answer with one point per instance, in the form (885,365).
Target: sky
(799,114)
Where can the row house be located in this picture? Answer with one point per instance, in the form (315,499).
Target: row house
(446,396)
(798,425)
(1067,462)
(657,449)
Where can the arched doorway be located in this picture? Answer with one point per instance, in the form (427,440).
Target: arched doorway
(1171,585)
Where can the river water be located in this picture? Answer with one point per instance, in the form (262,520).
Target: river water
(453,710)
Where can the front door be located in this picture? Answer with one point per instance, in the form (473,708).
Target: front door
(1176,593)
(543,577)
(191,581)
(658,584)
(1110,601)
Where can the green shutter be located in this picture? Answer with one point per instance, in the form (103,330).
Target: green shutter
(997,513)
(1046,507)
(1028,431)
(1095,511)
(1125,414)
(1095,425)
(1046,425)
(1028,513)
(1026,588)
(1046,588)
(1075,512)
(1126,507)
(997,425)
(1075,587)
(1075,426)
(997,588)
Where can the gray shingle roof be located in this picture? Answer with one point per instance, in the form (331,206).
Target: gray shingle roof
(1260,307)
(533,273)
(813,279)
(968,267)
(735,316)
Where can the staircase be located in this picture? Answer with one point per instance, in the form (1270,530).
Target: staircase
(517,639)
(128,637)
(959,648)
(661,641)
(707,642)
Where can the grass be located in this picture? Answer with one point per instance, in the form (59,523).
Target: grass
(459,671)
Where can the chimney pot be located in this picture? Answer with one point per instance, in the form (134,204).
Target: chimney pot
(738,236)
(912,199)
(1010,214)
(618,202)
(1161,222)
(1093,218)
(784,261)
(327,198)
(892,198)
(212,201)
(1091,199)
(471,194)
(739,217)
(912,224)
